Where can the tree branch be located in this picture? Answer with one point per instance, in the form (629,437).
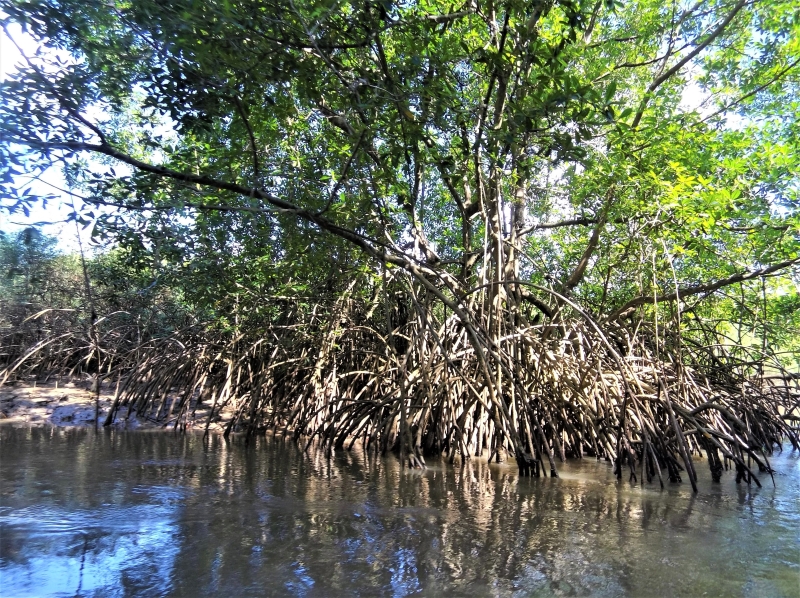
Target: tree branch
(750,94)
(580,269)
(583,221)
(701,288)
(237,102)
(681,63)
(370,246)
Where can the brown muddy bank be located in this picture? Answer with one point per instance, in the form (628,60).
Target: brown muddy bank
(71,403)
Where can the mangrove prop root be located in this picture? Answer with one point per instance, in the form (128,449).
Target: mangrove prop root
(410,376)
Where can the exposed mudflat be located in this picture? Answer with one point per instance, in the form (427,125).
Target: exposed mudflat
(72,404)
(67,404)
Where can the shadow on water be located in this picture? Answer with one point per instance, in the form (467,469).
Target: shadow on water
(136,513)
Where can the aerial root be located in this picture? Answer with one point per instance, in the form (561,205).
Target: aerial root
(336,377)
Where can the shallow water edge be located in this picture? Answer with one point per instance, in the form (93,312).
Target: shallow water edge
(123,513)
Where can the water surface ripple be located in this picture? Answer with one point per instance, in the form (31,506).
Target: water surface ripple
(120,513)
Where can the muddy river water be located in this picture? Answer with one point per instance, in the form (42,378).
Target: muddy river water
(115,513)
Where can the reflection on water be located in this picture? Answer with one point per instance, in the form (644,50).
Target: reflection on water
(135,513)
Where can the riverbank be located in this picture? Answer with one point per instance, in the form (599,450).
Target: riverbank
(72,404)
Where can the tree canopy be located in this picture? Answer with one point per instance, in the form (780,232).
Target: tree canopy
(498,191)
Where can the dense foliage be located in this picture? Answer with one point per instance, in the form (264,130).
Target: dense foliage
(547,227)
